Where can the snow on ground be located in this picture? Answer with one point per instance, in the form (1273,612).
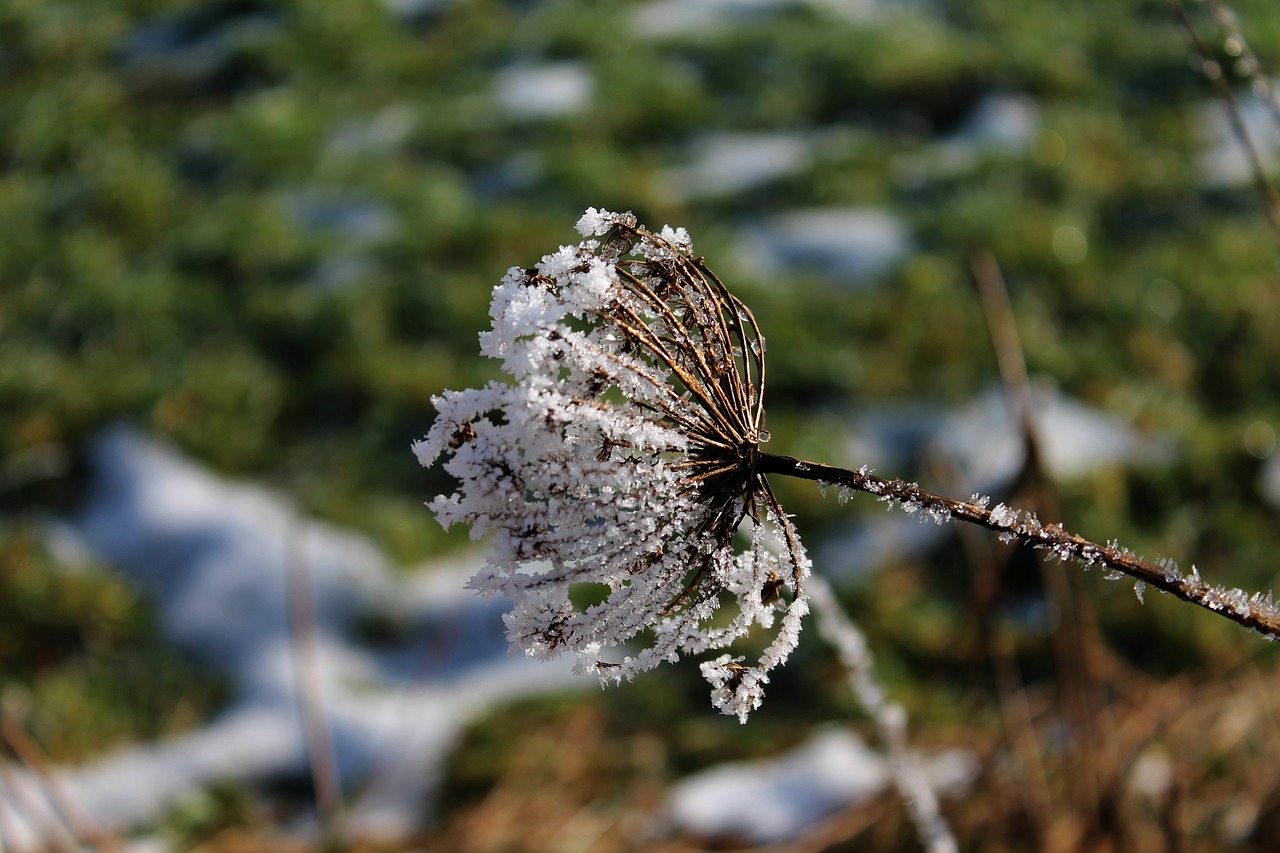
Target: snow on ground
(778,799)
(853,246)
(353,226)
(1224,161)
(727,163)
(416,11)
(985,444)
(1269,480)
(379,133)
(213,557)
(674,18)
(999,124)
(546,90)
(194,46)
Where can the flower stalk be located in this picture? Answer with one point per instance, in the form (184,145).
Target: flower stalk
(1256,612)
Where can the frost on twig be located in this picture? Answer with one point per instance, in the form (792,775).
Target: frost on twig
(1257,612)
(890,720)
(619,462)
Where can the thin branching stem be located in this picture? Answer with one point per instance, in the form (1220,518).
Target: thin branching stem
(1235,115)
(1256,612)
(890,720)
(1247,63)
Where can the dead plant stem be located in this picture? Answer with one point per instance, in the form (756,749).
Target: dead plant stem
(1252,612)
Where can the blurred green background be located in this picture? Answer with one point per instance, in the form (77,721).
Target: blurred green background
(267,232)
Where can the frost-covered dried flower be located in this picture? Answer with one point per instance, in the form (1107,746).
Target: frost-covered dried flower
(616,468)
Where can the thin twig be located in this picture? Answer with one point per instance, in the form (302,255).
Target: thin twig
(890,720)
(1004,335)
(1015,717)
(996,647)
(33,758)
(1247,63)
(1213,70)
(1075,637)
(40,818)
(8,825)
(1256,612)
(302,629)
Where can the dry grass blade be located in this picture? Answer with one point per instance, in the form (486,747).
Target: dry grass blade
(1213,70)
(1247,62)
(303,640)
(77,821)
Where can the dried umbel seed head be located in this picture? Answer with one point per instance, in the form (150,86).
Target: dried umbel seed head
(620,462)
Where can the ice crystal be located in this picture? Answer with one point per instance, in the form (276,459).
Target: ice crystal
(1005,519)
(621,458)
(1169,569)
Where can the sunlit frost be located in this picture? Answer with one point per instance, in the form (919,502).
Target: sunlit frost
(589,468)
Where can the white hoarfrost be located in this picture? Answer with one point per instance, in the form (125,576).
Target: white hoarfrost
(613,469)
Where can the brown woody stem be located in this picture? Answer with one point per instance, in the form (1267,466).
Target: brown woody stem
(1256,612)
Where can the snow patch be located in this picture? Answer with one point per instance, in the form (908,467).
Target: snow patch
(851,245)
(213,557)
(779,799)
(727,163)
(544,91)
